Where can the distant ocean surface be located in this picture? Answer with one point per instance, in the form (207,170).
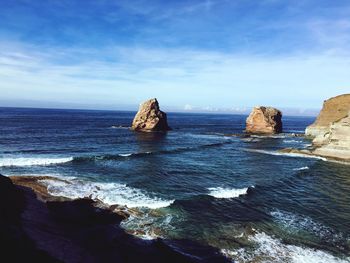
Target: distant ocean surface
(236,194)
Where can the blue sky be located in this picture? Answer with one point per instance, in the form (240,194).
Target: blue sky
(224,56)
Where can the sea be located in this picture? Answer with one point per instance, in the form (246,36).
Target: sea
(202,181)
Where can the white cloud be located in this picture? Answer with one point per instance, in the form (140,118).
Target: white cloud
(188,107)
(210,80)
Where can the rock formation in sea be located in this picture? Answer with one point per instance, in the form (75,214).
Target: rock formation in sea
(333,110)
(150,118)
(264,120)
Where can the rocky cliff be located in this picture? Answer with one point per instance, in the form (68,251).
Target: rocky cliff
(150,118)
(331,130)
(335,143)
(264,120)
(333,110)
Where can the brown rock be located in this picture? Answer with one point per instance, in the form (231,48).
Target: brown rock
(333,110)
(150,118)
(264,120)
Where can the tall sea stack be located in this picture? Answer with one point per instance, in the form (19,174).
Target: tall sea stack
(264,120)
(150,118)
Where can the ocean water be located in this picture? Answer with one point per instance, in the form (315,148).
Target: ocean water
(195,182)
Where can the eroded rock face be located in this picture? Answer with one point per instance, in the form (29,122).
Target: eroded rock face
(264,120)
(333,110)
(150,118)
(335,143)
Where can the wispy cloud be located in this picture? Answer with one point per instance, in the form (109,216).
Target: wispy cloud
(203,54)
(178,76)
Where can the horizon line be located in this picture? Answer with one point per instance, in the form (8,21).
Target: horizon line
(135,111)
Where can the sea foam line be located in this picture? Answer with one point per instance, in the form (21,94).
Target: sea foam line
(271,249)
(299,155)
(108,193)
(301,168)
(5,162)
(220,192)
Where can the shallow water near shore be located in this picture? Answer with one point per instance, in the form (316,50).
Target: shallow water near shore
(194,182)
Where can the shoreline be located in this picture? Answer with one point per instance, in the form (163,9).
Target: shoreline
(81,230)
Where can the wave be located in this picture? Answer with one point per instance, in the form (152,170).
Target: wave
(301,168)
(8,162)
(270,249)
(294,223)
(141,154)
(299,155)
(219,192)
(36,161)
(108,193)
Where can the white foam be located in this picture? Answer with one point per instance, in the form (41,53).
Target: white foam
(219,192)
(292,141)
(32,161)
(270,249)
(125,154)
(299,155)
(292,222)
(276,136)
(109,193)
(301,168)
(119,127)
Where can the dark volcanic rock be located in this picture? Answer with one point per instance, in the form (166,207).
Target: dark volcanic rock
(79,231)
(150,118)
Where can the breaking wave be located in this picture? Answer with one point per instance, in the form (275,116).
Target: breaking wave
(301,168)
(269,249)
(109,193)
(33,161)
(220,192)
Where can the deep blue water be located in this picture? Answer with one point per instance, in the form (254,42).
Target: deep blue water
(195,182)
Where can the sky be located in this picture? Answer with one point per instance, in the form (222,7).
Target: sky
(194,56)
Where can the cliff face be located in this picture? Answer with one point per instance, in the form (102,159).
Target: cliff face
(264,120)
(333,110)
(331,130)
(150,118)
(335,142)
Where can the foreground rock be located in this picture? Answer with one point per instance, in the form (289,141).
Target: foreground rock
(78,231)
(150,118)
(264,120)
(334,109)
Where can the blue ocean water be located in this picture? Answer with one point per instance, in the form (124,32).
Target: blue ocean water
(197,182)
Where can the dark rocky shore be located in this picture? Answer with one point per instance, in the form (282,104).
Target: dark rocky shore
(59,230)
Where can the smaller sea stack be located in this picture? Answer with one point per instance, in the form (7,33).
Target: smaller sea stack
(264,120)
(150,118)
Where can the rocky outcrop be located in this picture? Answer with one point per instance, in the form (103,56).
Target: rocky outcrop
(150,118)
(264,120)
(333,110)
(330,131)
(335,142)
(73,231)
